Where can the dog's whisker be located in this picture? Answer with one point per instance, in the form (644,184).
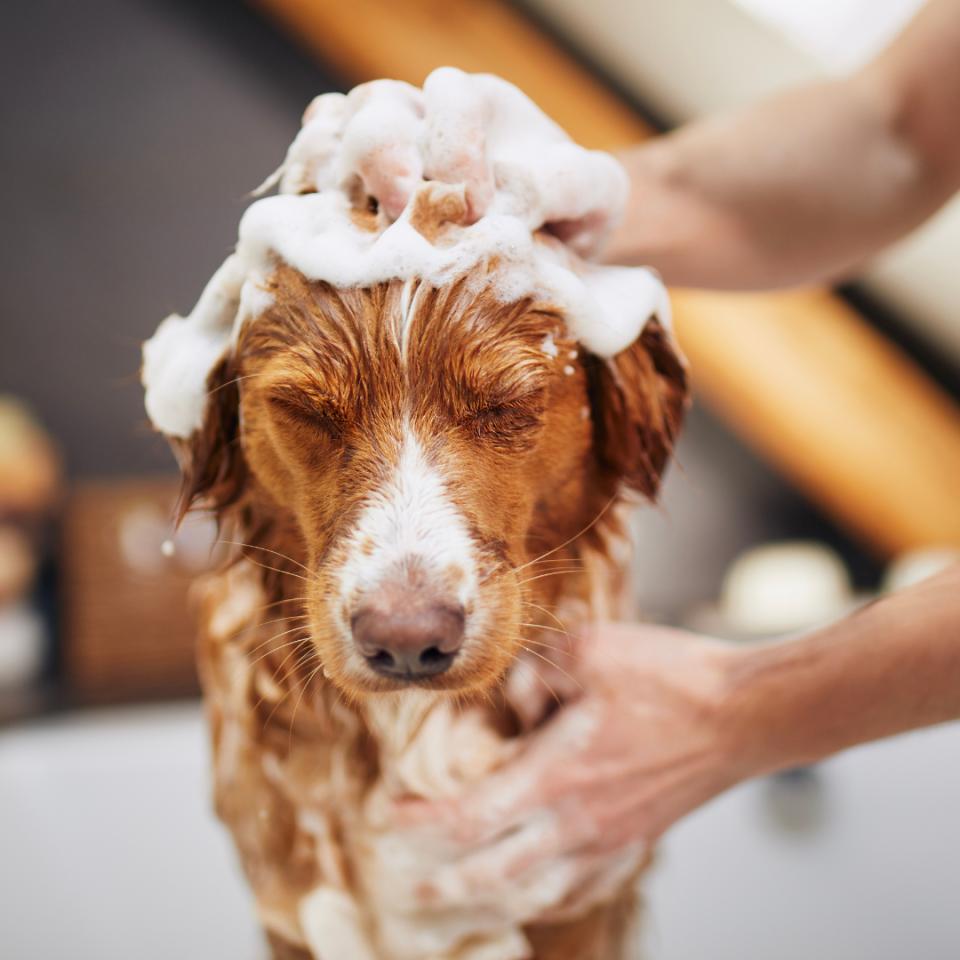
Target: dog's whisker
(281,667)
(497,568)
(544,644)
(551,573)
(291,646)
(274,603)
(286,573)
(543,626)
(489,698)
(266,722)
(273,677)
(547,660)
(277,636)
(255,624)
(542,678)
(272,644)
(276,553)
(306,683)
(572,563)
(230,383)
(287,692)
(565,543)
(289,619)
(554,560)
(256,707)
(280,646)
(547,611)
(264,623)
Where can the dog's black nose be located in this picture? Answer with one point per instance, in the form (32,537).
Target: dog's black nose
(411,643)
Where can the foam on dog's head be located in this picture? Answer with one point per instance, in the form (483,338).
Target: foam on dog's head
(319,225)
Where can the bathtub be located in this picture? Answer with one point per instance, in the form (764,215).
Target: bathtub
(109,851)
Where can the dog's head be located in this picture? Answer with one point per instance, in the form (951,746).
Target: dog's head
(416,449)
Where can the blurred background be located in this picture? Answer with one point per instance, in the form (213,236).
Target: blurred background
(135,130)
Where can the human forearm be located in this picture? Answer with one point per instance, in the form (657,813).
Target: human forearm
(805,186)
(891,667)
(797,189)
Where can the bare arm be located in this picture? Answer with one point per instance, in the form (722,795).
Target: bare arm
(669,720)
(891,667)
(808,185)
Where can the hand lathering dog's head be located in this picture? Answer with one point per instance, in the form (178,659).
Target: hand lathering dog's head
(414,447)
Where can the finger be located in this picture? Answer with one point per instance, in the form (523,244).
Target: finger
(318,105)
(583,190)
(455,143)
(609,650)
(536,778)
(505,866)
(523,152)
(599,879)
(529,877)
(309,164)
(585,234)
(381,142)
(493,807)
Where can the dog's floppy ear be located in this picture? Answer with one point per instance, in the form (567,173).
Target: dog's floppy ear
(212,466)
(638,399)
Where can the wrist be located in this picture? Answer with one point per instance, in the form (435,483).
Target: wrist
(760,730)
(728,707)
(656,223)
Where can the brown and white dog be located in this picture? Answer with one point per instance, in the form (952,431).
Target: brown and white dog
(420,479)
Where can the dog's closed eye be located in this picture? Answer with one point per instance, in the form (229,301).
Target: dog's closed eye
(505,420)
(308,411)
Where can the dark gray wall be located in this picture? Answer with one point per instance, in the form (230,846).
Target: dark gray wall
(132,131)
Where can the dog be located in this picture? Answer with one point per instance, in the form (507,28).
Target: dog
(423,482)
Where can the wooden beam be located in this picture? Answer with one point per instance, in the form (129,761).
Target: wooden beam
(827,400)
(858,427)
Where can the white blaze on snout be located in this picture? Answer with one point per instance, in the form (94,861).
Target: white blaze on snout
(411,523)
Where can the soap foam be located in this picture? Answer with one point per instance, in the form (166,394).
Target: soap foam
(518,170)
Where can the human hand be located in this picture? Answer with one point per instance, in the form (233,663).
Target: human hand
(579,805)
(474,130)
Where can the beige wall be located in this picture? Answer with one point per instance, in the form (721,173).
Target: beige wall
(690,57)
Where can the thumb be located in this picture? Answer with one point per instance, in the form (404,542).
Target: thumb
(609,651)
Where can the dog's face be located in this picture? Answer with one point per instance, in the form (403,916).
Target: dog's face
(419,447)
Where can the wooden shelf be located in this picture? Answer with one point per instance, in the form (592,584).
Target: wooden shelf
(801,376)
